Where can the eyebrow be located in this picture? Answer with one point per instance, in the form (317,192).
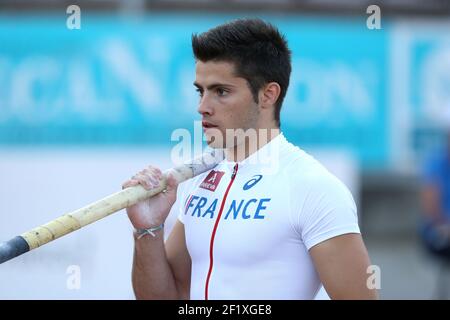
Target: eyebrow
(214,85)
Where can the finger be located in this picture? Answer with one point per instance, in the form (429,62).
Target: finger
(153,168)
(144,181)
(150,180)
(158,173)
(129,183)
(153,172)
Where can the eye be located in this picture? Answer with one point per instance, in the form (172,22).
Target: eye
(200,92)
(221,92)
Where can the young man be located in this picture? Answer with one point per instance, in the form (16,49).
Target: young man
(243,233)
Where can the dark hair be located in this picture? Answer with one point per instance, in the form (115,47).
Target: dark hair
(257,49)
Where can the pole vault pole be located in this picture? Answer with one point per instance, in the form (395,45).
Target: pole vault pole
(102,208)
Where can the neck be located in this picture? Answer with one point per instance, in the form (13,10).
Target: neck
(250,144)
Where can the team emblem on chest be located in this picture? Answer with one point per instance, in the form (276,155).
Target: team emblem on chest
(212,180)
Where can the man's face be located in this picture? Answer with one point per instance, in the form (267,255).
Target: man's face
(226,102)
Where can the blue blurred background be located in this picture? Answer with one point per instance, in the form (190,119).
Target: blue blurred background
(83,109)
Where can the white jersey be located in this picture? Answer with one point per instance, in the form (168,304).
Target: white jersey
(248,233)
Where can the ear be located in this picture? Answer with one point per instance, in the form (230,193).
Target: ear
(269,94)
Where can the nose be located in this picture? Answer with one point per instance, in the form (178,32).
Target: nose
(205,107)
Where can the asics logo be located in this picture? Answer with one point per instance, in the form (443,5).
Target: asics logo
(250,183)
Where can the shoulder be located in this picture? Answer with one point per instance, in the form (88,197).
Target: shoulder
(308,176)
(322,206)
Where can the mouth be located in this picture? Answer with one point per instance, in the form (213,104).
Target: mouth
(208,125)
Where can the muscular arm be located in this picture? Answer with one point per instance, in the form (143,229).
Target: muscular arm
(162,271)
(341,263)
